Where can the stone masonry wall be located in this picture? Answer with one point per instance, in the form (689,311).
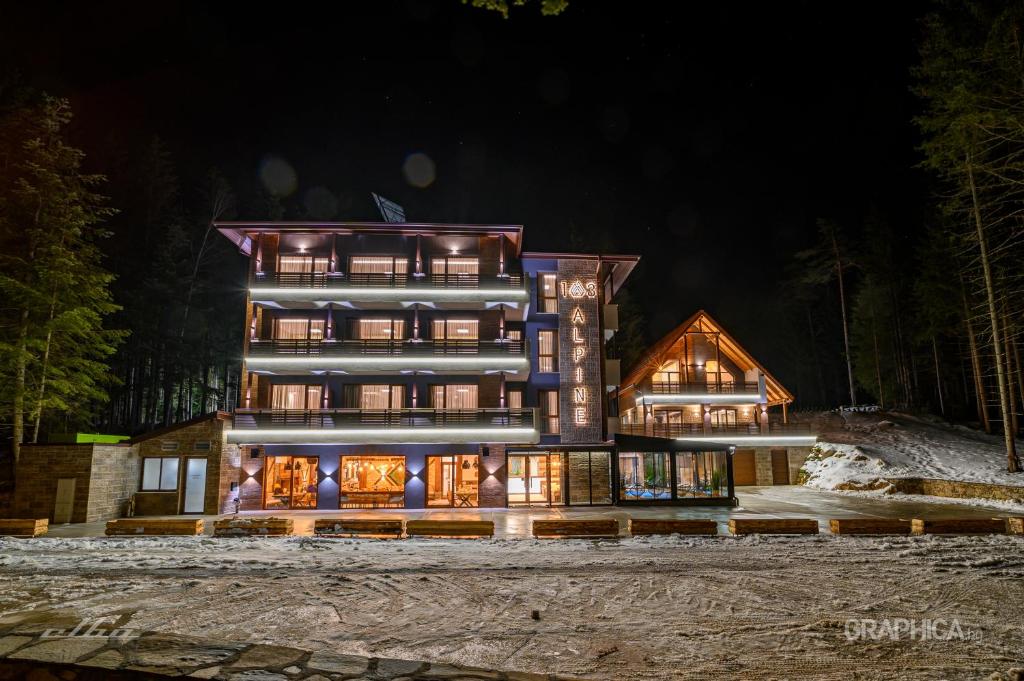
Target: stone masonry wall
(36,475)
(113,480)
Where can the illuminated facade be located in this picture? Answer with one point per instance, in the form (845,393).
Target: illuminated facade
(421,366)
(697,387)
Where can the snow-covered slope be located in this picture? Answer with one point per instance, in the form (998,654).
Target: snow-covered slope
(860,451)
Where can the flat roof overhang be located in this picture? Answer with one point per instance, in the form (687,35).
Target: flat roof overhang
(648,443)
(382,436)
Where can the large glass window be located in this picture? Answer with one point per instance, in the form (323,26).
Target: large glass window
(723,418)
(514,398)
(548,411)
(547,292)
(454,267)
(453,481)
(645,476)
(701,474)
(547,350)
(372,482)
(535,479)
(159,474)
(290,482)
(667,377)
(455,396)
(381,396)
(302,263)
(288,396)
(299,329)
(590,477)
(380,329)
(378,264)
(717,376)
(455,329)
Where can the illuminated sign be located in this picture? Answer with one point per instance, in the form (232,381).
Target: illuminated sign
(579,351)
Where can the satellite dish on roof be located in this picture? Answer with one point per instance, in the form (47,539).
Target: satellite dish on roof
(389,210)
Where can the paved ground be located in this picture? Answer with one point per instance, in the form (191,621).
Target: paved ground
(774,502)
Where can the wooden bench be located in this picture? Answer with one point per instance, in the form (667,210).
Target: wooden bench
(465,529)
(358,527)
(252,527)
(154,526)
(773,526)
(565,527)
(1015,525)
(869,526)
(24,527)
(960,526)
(640,526)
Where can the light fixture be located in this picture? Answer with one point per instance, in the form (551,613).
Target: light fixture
(465,464)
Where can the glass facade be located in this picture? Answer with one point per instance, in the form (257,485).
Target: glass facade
(453,481)
(372,482)
(290,482)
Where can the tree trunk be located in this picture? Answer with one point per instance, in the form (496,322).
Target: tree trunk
(18,398)
(979,381)
(1012,464)
(38,411)
(1010,387)
(842,307)
(938,376)
(878,363)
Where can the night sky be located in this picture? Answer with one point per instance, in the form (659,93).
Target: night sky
(705,139)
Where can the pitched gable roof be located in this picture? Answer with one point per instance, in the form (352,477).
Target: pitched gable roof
(656,356)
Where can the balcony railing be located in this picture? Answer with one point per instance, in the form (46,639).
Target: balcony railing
(369,419)
(675,430)
(677,388)
(334,280)
(389,348)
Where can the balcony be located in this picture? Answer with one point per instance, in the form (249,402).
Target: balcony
(388,356)
(743,434)
(672,392)
(384,426)
(324,287)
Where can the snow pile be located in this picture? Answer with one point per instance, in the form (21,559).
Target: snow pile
(864,451)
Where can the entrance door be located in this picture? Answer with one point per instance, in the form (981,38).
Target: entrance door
(744,468)
(535,479)
(65,503)
(780,467)
(195,486)
(453,481)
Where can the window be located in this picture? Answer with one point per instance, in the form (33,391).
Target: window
(547,292)
(547,350)
(302,263)
(298,329)
(160,474)
(454,268)
(514,334)
(296,396)
(456,396)
(381,396)
(717,375)
(514,399)
(645,476)
(455,329)
(548,411)
(453,480)
(666,378)
(290,482)
(386,266)
(372,482)
(380,329)
(723,418)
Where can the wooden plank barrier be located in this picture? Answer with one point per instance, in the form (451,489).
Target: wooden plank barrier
(459,529)
(960,526)
(358,527)
(24,527)
(773,526)
(154,526)
(642,526)
(870,526)
(565,527)
(253,527)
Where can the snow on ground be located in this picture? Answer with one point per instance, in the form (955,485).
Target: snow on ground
(862,451)
(640,608)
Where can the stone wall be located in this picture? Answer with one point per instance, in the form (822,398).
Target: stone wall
(36,475)
(763,466)
(955,489)
(113,480)
(580,383)
(493,477)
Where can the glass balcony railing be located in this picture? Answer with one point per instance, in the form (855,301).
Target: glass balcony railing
(335,280)
(387,348)
(676,430)
(375,419)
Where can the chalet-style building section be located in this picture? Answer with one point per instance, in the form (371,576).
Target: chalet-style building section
(699,385)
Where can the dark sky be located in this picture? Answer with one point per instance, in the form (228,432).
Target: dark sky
(706,138)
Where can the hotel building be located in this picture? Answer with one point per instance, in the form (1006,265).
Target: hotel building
(423,366)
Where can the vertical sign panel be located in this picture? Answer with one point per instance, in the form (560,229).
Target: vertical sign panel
(579,352)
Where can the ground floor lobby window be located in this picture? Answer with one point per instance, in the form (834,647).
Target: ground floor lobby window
(372,482)
(290,482)
(535,479)
(453,481)
(671,476)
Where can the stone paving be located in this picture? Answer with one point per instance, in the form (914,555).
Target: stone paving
(34,653)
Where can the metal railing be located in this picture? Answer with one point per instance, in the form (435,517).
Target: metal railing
(409,348)
(512,280)
(250,419)
(675,388)
(692,429)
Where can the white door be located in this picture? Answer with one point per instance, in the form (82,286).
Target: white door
(65,503)
(195,485)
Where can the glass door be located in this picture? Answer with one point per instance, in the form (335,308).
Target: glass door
(290,482)
(535,479)
(453,481)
